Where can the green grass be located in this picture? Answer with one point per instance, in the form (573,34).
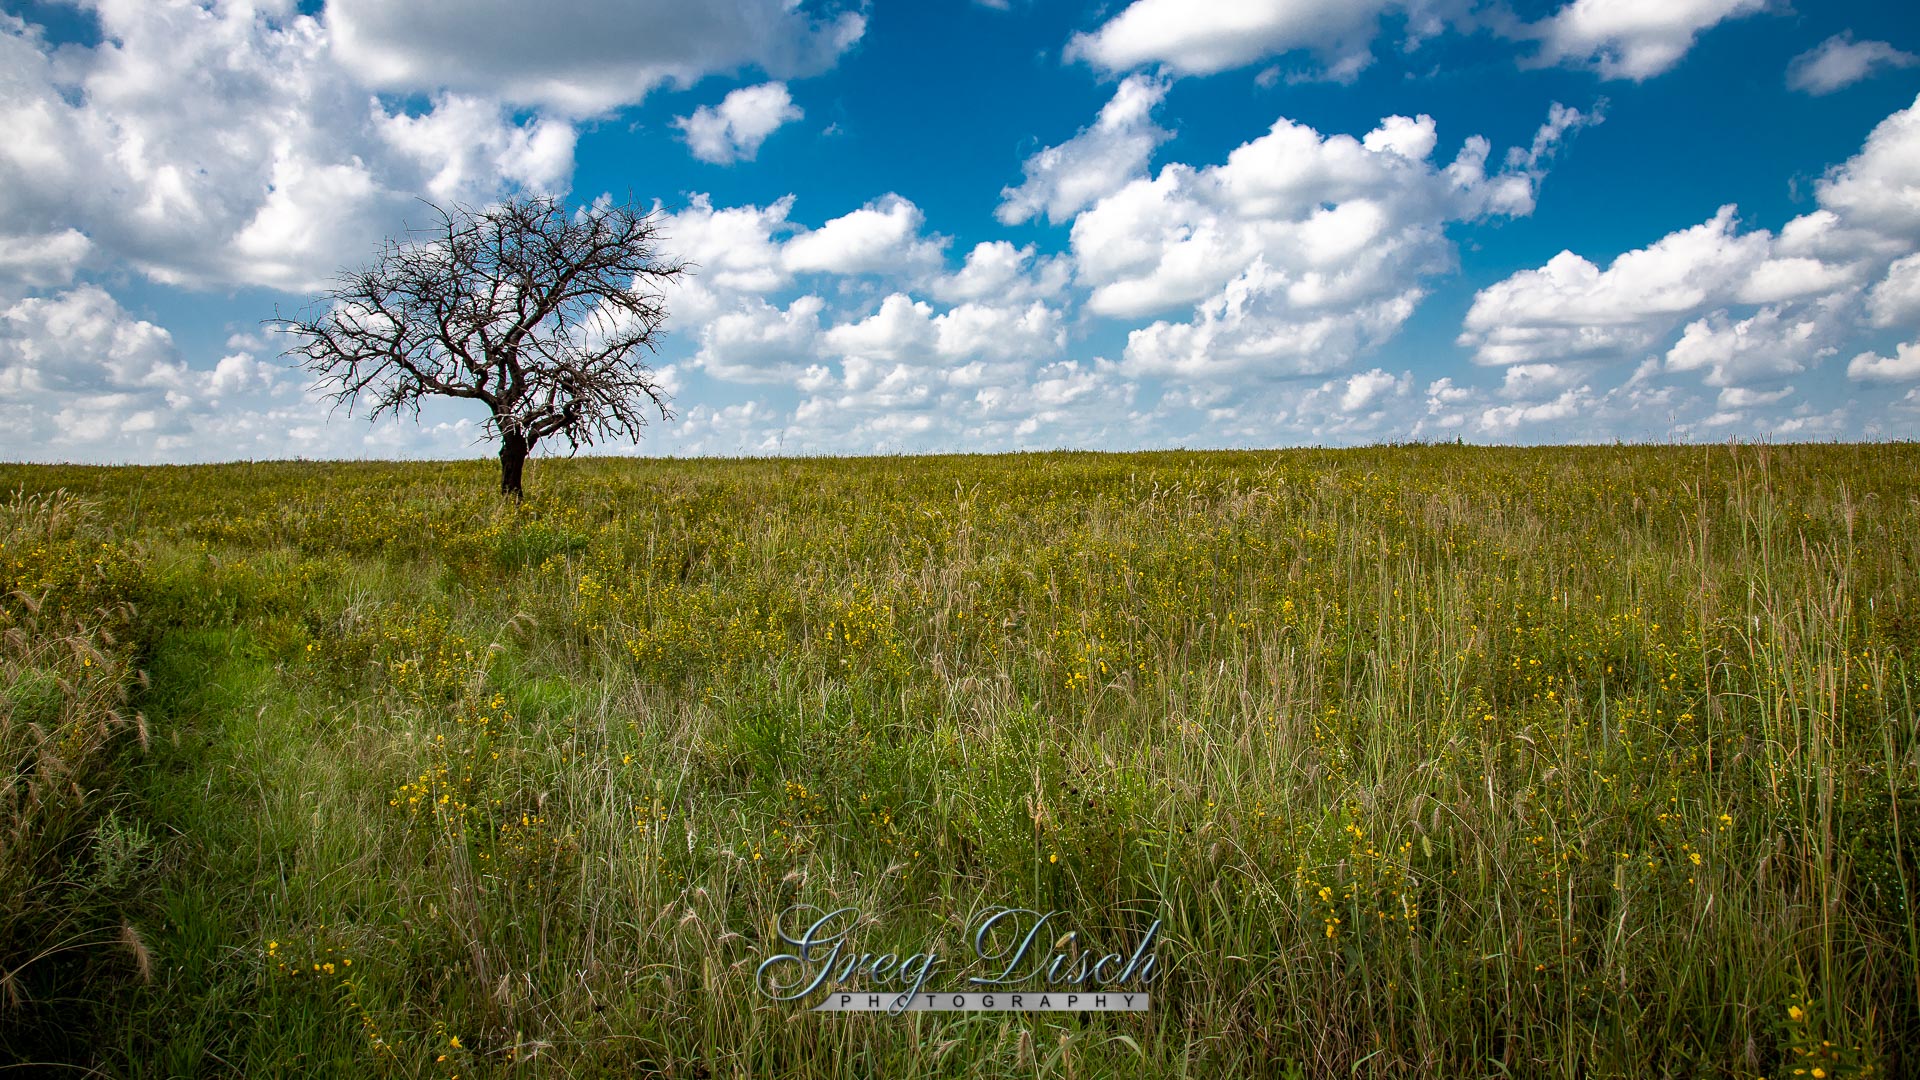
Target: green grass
(1431,760)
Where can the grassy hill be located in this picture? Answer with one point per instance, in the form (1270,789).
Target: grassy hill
(1430,760)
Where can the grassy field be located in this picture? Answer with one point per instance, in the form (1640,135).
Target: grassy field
(1432,761)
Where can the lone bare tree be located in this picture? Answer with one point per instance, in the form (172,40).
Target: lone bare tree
(534,310)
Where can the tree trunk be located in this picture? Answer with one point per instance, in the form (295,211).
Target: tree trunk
(513,457)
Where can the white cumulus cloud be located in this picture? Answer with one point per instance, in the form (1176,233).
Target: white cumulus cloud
(736,249)
(1769,344)
(902,330)
(1632,39)
(1367,389)
(1895,299)
(880,237)
(1756,306)
(758,342)
(1532,381)
(581,57)
(1572,308)
(465,144)
(48,258)
(1878,189)
(221,146)
(1065,179)
(82,378)
(997,270)
(1506,419)
(1740,397)
(1841,61)
(734,129)
(1002,333)
(1900,367)
(1297,254)
(1201,37)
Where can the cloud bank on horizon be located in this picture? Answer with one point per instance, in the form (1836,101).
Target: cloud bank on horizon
(991,226)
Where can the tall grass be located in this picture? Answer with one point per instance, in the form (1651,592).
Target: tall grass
(1431,760)
(66,857)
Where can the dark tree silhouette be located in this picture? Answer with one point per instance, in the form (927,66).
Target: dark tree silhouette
(534,310)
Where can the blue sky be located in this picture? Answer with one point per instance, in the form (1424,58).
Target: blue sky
(956,225)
